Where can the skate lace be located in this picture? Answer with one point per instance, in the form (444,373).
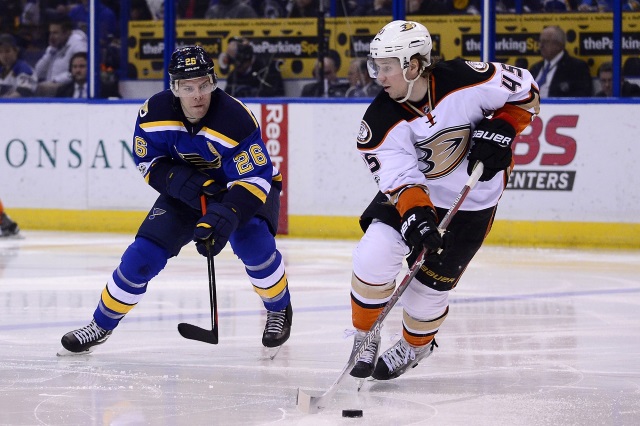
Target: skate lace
(275,321)
(89,333)
(369,353)
(399,356)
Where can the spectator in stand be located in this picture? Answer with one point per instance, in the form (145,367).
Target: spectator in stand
(558,5)
(381,8)
(252,75)
(17,78)
(430,7)
(192,9)
(361,84)
(52,69)
(605,75)
(10,11)
(332,86)
(559,74)
(607,5)
(509,6)
(275,8)
(30,16)
(305,9)
(139,11)
(108,28)
(77,88)
(230,9)
(55,8)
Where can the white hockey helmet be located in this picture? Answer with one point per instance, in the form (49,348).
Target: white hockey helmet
(402,40)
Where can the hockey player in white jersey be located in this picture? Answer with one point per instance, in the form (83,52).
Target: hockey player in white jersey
(420,138)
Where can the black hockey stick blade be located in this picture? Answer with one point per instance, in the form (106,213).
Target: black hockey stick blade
(193,332)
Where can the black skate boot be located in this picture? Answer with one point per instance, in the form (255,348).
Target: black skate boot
(367,361)
(278,327)
(399,358)
(8,228)
(83,340)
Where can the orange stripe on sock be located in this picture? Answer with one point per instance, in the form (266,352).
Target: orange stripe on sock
(416,340)
(363,318)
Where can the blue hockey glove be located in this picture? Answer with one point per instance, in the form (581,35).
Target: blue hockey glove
(419,228)
(186,184)
(217,225)
(492,141)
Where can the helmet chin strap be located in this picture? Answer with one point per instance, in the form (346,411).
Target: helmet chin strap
(410,87)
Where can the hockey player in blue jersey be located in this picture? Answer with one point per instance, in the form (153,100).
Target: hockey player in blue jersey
(189,141)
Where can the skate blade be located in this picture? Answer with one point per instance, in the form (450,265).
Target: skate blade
(63,352)
(271,352)
(17,236)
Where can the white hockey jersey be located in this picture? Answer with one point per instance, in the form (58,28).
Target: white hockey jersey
(426,143)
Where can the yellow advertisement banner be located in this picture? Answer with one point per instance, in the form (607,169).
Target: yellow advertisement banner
(294,42)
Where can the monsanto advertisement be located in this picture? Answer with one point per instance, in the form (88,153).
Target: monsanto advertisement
(294,43)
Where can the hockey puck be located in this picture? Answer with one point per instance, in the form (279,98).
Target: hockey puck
(351,413)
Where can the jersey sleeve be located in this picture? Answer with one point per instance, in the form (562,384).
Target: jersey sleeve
(512,95)
(249,172)
(148,147)
(385,143)
(151,152)
(26,81)
(245,162)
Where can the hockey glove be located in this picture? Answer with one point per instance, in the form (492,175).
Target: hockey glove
(216,225)
(492,141)
(419,228)
(186,184)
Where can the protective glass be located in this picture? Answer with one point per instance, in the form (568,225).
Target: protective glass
(383,67)
(191,88)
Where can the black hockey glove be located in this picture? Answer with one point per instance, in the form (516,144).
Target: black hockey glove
(492,141)
(187,184)
(217,225)
(419,228)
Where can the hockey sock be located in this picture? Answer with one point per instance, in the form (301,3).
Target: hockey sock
(142,261)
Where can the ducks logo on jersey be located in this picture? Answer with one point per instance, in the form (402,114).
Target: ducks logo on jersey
(364,134)
(441,153)
(478,66)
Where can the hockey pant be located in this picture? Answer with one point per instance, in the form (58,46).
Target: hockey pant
(166,229)
(378,259)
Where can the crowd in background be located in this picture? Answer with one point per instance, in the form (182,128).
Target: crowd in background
(39,38)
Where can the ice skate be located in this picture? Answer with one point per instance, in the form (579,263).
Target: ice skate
(366,363)
(83,340)
(399,358)
(277,329)
(8,228)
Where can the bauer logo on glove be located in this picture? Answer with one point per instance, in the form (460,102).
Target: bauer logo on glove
(492,136)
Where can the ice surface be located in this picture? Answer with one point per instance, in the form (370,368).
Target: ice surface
(534,337)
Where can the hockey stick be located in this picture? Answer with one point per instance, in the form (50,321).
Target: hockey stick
(193,332)
(310,404)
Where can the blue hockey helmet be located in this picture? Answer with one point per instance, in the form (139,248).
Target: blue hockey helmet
(190,62)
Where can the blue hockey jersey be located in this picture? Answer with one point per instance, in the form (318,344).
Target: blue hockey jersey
(226,144)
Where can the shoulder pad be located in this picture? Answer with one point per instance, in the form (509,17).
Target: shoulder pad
(157,107)
(383,114)
(455,74)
